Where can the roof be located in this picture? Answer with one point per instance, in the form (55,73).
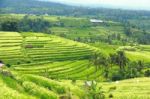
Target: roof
(1,65)
(96,21)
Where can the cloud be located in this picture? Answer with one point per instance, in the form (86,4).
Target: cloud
(135,4)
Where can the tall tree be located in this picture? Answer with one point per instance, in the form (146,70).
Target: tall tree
(120,59)
(98,59)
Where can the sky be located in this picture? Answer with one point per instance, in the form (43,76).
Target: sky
(125,4)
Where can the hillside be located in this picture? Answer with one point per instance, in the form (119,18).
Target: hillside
(78,28)
(51,8)
(32,7)
(32,60)
(35,87)
(38,65)
(137,88)
(74,49)
(60,58)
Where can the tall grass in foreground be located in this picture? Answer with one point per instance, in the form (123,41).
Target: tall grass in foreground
(38,91)
(47,83)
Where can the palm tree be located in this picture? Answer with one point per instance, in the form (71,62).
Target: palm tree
(121,59)
(97,60)
(140,65)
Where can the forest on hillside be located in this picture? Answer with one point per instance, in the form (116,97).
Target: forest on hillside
(51,50)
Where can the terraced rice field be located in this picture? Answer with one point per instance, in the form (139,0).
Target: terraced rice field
(141,53)
(137,88)
(37,47)
(10,47)
(35,58)
(36,87)
(80,70)
(47,55)
(44,67)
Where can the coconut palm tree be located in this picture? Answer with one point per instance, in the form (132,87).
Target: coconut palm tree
(98,59)
(122,59)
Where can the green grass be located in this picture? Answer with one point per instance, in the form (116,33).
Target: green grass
(86,34)
(137,88)
(107,48)
(138,52)
(38,91)
(10,88)
(139,55)
(35,87)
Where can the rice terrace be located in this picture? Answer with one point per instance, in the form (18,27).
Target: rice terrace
(74,49)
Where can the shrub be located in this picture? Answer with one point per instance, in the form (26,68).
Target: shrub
(73,81)
(18,63)
(28,46)
(112,88)
(110,96)
(116,77)
(7,73)
(147,73)
(8,65)
(28,62)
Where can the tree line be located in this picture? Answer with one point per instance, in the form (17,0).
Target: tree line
(51,8)
(126,68)
(26,24)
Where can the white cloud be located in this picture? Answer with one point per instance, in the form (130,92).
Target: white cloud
(137,4)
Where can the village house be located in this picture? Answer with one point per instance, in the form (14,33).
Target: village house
(96,21)
(1,64)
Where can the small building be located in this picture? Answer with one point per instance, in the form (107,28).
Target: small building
(90,83)
(1,64)
(46,14)
(96,21)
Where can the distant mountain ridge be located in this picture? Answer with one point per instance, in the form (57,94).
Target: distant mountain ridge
(31,7)
(52,8)
(28,3)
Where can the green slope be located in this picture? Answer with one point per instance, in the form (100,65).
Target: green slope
(44,66)
(40,47)
(47,55)
(137,88)
(36,87)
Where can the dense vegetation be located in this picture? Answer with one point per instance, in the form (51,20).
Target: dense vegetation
(38,7)
(78,29)
(47,56)
(53,51)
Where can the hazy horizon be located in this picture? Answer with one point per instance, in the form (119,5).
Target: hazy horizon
(123,4)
